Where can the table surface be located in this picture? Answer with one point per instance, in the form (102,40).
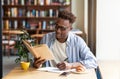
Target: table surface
(109,69)
(18,73)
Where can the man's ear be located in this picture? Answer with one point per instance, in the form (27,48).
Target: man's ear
(71,28)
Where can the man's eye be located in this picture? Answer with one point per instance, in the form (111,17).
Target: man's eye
(63,29)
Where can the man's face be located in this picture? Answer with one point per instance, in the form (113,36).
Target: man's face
(62,28)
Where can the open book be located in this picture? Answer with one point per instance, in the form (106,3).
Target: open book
(41,50)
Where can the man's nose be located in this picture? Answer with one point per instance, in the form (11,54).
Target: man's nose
(58,30)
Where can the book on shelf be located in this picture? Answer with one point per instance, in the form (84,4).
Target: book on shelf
(44,25)
(28,13)
(23,23)
(14,12)
(42,13)
(6,24)
(33,13)
(33,25)
(17,13)
(27,25)
(51,25)
(16,2)
(32,2)
(28,2)
(39,25)
(8,13)
(37,13)
(41,2)
(47,2)
(11,24)
(22,2)
(50,12)
(23,12)
(15,24)
(35,2)
(20,12)
(12,2)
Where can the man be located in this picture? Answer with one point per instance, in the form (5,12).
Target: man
(65,44)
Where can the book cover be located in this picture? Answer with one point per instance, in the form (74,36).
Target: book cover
(41,50)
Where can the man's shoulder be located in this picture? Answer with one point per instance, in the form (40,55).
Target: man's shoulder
(48,37)
(50,34)
(75,37)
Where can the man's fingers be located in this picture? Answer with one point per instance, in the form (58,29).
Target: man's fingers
(61,66)
(39,61)
(42,61)
(37,58)
(80,68)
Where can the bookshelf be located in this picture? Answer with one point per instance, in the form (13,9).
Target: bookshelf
(31,14)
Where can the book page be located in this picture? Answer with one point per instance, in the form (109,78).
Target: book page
(54,69)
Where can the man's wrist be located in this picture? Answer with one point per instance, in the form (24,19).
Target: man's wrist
(76,64)
(72,67)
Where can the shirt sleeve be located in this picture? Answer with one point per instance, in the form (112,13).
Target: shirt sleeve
(87,57)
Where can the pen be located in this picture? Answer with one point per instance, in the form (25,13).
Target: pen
(65,59)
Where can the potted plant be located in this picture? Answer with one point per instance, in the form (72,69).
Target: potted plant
(23,53)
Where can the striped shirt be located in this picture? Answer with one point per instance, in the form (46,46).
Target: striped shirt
(76,49)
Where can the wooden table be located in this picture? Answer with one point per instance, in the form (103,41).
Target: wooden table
(109,69)
(32,73)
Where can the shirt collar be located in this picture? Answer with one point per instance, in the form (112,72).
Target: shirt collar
(68,39)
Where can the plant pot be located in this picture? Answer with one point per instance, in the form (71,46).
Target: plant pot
(25,65)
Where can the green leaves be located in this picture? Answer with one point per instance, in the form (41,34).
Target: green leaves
(22,50)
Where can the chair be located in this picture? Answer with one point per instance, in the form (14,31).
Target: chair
(8,45)
(9,39)
(37,36)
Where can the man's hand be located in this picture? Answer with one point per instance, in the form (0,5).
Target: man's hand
(78,66)
(38,62)
(64,65)
(61,66)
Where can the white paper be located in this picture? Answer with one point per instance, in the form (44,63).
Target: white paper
(54,69)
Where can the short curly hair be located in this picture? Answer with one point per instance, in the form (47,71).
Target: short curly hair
(67,15)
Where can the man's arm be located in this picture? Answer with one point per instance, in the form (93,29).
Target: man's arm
(88,59)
